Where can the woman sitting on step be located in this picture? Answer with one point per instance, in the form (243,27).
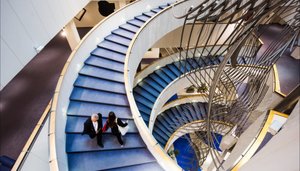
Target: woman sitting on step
(116,125)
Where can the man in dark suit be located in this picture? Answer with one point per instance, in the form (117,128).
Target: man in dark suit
(93,127)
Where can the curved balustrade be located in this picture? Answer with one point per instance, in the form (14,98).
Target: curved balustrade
(192,127)
(171,89)
(142,41)
(149,89)
(83,103)
(189,99)
(170,120)
(171,59)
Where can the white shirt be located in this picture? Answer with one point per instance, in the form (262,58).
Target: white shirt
(95,124)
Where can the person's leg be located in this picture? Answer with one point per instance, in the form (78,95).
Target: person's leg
(119,138)
(92,136)
(99,139)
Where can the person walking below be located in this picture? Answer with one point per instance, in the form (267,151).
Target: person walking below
(93,127)
(113,122)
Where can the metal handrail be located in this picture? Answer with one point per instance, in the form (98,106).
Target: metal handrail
(178,130)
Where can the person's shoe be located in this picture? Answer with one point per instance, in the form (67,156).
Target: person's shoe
(101,145)
(122,146)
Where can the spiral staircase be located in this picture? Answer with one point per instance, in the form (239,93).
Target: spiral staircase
(101,77)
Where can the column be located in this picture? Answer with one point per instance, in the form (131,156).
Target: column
(72,34)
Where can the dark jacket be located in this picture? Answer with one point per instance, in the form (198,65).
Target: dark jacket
(114,129)
(89,128)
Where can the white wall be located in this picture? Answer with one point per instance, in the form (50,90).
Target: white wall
(26,24)
(282,151)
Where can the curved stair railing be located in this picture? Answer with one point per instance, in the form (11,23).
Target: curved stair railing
(88,93)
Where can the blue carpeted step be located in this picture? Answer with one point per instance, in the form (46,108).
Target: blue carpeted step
(183,66)
(156,10)
(81,94)
(108,54)
(144,93)
(75,124)
(179,114)
(146,117)
(161,133)
(130,27)
(193,62)
(174,69)
(167,71)
(149,14)
(123,33)
(105,63)
(143,100)
(86,109)
(166,131)
(142,18)
(152,166)
(99,84)
(184,113)
(136,22)
(163,76)
(102,73)
(197,111)
(104,160)
(163,6)
(118,39)
(83,143)
(173,118)
(113,47)
(159,139)
(192,111)
(202,107)
(148,88)
(157,79)
(153,84)
(166,119)
(143,108)
(165,124)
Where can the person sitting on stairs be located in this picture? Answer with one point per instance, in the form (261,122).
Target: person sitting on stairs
(113,123)
(93,127)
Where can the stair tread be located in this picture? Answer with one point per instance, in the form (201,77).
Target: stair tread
(102,73)
(136,22)
(148,88)
(118,39)
(152,166)
(86,109)
(99,84)
(123,33)
(108,54)
(130,27)
(157,79)
(156,10)
(143,18)
(143,100)
(144,93)
(103,160)
(83,143)
(113,46)
(149,14)
(83,94)
(105,63)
